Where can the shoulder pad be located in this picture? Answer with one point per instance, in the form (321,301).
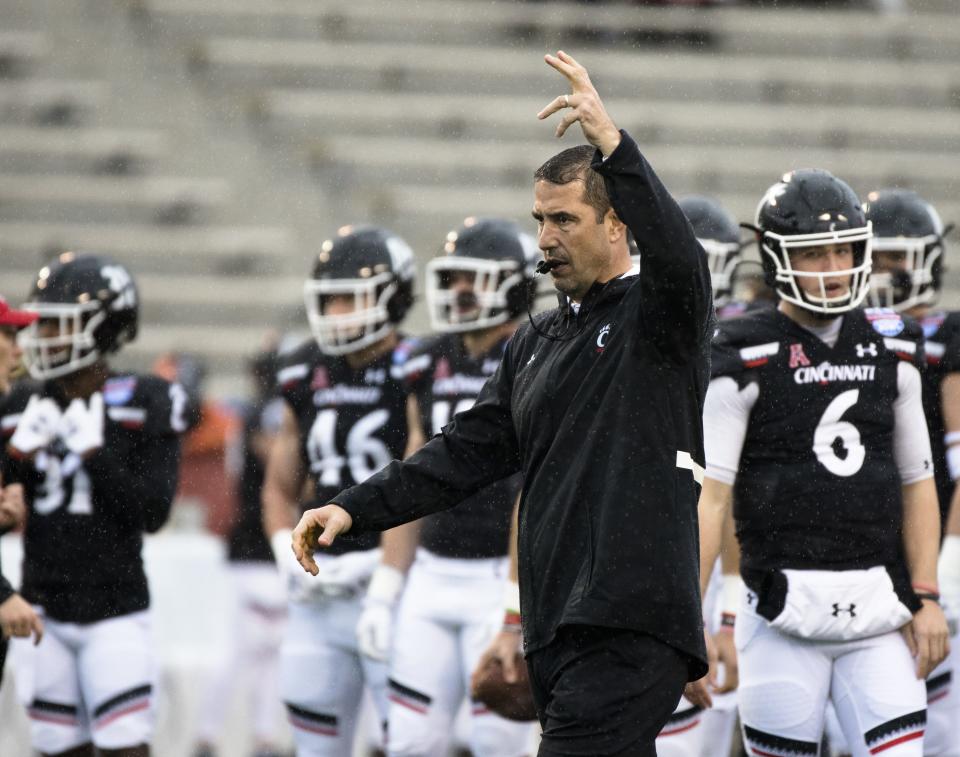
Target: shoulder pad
(297,366)
(14,403)
(744,343)
(417,361)
(149,403)
(885,321)
(908,343)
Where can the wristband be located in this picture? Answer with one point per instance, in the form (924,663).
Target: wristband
(282,545)
(511,597)
(385,584)
(511,606)
(953,462)
(730,594)
(922,595)
(920,588)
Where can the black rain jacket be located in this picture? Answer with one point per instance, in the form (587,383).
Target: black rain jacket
(606,427)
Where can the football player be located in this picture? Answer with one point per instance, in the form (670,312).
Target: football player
(908,258)
(261,606)
(692,730)
(17,617)
(476,292)
(814,428)
(345,417)
(719,235)
(97,453)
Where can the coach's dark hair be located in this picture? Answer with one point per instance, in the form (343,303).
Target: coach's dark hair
(573,164)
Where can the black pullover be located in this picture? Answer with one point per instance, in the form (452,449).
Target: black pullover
(606,429)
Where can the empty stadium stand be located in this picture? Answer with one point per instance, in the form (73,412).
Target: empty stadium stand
(212,143)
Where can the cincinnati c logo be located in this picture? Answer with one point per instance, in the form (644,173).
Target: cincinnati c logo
(602,338)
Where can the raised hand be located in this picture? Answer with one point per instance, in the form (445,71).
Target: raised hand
(583,105)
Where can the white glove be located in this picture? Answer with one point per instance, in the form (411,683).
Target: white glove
(301,586)
(948,576)
(37,426)
(346,575)
(375,627)
(81,427)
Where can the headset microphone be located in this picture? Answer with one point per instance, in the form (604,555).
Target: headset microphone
(545,266)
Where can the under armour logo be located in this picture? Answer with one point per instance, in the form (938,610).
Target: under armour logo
(797,356)
(751,597)
(870,349)
(837,609)
(532,358)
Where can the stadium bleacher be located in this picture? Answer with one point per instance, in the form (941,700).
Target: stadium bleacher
(415,114)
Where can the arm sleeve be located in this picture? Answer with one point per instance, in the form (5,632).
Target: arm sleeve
(911,440)
(6,590)
(143,496)
(676,296)
(479,446)
(726,413)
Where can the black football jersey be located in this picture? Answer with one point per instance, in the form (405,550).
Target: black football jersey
(818,486)
(247,542)
(942,350)
(351,423)
(83,536)
(446,380)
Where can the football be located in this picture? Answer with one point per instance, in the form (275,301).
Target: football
(510,700)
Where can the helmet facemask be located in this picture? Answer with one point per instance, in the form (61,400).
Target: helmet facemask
(778,247)
(722,258)
(72,348)
(366,324)
(912,282)
(493,281)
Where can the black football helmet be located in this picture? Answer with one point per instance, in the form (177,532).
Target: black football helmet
(373,266)
(94,306)
(812,208)
(906,225)
(719,235)
(500,258)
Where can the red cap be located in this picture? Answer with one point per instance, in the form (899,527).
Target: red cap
(17,318)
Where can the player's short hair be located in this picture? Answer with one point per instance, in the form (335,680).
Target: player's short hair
(573,164)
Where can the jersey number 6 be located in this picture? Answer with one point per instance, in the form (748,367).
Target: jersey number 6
(836,443)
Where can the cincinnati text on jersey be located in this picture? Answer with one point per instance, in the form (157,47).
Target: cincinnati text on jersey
(347,395)
(459,384)
(826,373)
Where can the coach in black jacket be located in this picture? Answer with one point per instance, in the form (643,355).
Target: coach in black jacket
(599,405)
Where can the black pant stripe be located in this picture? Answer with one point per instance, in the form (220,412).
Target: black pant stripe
(896,725)
(779,743)
(314,717)
(938,682)
(122,698)
(683,715)
(44,706)
(406,691)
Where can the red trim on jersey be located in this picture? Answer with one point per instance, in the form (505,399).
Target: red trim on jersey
(322,730)
(937,697)
(58,719)
(681,729)
(762,753)
(756,363)
(898,740)
(110,717)
(405,703)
